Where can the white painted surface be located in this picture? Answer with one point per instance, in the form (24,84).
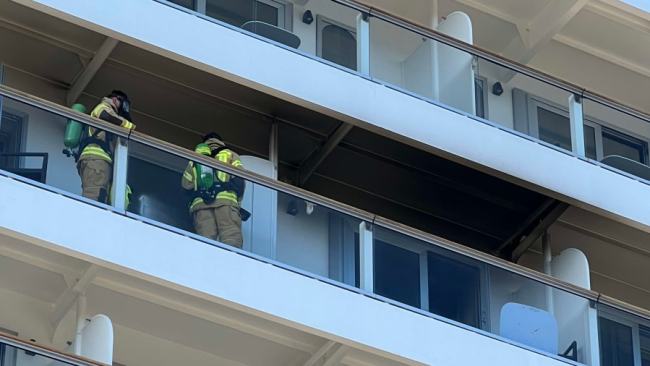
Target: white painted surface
(43,133)
(247,285)
(260,229)
(574,315)
(359,101)
(97,339)
(455,73)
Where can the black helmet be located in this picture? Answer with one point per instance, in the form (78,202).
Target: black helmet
(212,135)
(125,103)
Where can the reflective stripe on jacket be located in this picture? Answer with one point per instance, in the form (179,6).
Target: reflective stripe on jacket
(190,181)
(94,150)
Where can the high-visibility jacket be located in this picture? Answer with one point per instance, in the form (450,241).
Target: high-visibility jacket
(99,144)
(190,182)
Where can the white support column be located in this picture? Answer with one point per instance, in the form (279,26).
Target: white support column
(90,70)
(577,125)
(363,44)
(81,322)
(120,165)
(366,258)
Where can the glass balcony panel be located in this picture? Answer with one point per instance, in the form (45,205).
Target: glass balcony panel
(481,295)
(622,138)
(13,356)
(33,146)
(281,226)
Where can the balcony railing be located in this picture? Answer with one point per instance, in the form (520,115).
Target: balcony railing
(324,239)
(437,66)
(16,352)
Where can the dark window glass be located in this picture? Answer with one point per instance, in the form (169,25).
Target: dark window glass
(241,11)
(397,273)
(615,343)
(190,4)
(479,92)
(644,337)
(615,143)
(339,46)
(555,129)
(10,139)
(454,289)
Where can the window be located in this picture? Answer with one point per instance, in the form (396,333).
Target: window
(397,273)
(551,123)
(336,43)
(624,340)
(429,278)
(11,127)
(615,343)
(239,12)
(454,289)
(190,4)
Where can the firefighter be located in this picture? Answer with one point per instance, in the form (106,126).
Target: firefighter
(97,146)
(215,207)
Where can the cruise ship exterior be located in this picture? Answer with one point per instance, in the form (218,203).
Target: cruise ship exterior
(421,182)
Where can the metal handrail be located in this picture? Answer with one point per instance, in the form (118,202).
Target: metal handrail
(422,30)
(48,352)
(323,201)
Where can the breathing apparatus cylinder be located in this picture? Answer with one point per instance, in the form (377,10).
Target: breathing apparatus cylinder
(73,129)
(204,174)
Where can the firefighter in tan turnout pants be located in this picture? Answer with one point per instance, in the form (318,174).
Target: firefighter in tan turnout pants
(215,207)
(96,150)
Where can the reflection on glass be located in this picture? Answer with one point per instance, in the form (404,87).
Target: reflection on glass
(339,45)
(644,340)
(615,143)
(555,129)
(241,11)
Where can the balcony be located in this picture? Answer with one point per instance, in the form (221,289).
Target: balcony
(333,243)
(353,251)
(530,118)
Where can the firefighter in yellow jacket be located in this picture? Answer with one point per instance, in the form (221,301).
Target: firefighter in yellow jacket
(215,207)
(97,146)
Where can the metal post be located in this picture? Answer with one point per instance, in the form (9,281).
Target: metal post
(366,258)
(120,165)
(363,44)
(201,6)
(577,125)
(548,258)
(274,149)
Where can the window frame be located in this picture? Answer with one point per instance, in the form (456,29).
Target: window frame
(422,250)
(321,23)
(484,95)
(529,110)
(628,321)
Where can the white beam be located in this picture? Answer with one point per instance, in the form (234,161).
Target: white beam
(484,8)
(535,34)
(91,69)
(312,361)
(336,357)
(312,163)
(65,301)
(273,335)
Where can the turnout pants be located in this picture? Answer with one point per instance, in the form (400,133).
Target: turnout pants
(222,223)
(96,175)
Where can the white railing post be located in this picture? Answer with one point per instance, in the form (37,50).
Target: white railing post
(366,258)
(120,166)
(363,44)
(577,125)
